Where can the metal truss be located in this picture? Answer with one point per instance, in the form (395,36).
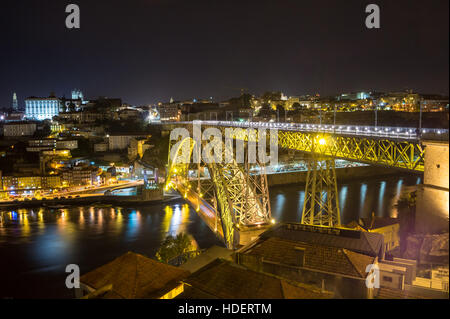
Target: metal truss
(321,204)
(387,152)
(239,199)
(394,153)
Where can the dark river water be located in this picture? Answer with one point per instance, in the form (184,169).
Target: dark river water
(37,244)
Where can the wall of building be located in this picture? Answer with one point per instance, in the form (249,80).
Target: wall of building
(42,108)
(19,129)
(436,164)
(340,286)
(432,211)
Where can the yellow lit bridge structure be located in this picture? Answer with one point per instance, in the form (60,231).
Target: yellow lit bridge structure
(235,204)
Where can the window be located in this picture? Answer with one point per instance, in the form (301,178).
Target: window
(386,278)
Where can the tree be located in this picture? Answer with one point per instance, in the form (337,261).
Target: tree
(44,132)
(173,247)
(271,96)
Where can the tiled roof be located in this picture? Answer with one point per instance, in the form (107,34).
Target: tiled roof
(135,276)
(377,222)
(358,241)
(386,293)
(318,257)
(225,279)
(212,253)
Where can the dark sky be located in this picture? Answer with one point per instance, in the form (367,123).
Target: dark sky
(145,51)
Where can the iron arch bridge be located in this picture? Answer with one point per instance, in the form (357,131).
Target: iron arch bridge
(396,147)
(233,203)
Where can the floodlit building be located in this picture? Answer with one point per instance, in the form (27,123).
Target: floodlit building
(42,108)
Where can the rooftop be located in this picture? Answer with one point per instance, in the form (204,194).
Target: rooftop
(369,244)
(206,257)
(386,293)
(316,257)
(375,222)
(227,280)
(134,276)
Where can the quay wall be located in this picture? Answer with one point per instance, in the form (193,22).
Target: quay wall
(342,174)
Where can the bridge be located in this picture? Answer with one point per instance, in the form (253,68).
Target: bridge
(235,204)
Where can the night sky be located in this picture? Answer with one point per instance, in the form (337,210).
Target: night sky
(146,51)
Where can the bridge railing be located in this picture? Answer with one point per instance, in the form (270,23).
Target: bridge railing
(392,132)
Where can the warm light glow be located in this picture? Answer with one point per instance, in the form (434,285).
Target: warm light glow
(322,141)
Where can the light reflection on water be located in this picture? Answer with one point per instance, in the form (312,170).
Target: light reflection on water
(39,243)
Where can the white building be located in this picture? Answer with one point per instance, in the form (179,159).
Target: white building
(42,108)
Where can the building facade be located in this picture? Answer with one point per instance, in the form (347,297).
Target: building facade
(42,108)
(19,129)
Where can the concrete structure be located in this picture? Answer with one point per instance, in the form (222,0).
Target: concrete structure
(432,211)
(122,141)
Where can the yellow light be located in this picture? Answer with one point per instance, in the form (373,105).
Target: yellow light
(175,170)
(322,141)
(272,221)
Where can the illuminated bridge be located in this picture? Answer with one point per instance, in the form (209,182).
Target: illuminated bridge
(235,204)
(397,147)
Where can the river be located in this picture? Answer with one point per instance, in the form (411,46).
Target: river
(37,244)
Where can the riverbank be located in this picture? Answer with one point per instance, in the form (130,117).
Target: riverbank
(344,174)
(124,201)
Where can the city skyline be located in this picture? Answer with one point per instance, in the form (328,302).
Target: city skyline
(217,49)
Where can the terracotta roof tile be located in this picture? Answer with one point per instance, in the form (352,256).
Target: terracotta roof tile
(225,279)
(135,276)
(318,257)
(357,241)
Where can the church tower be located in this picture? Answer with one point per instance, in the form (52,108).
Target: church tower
(15,103)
